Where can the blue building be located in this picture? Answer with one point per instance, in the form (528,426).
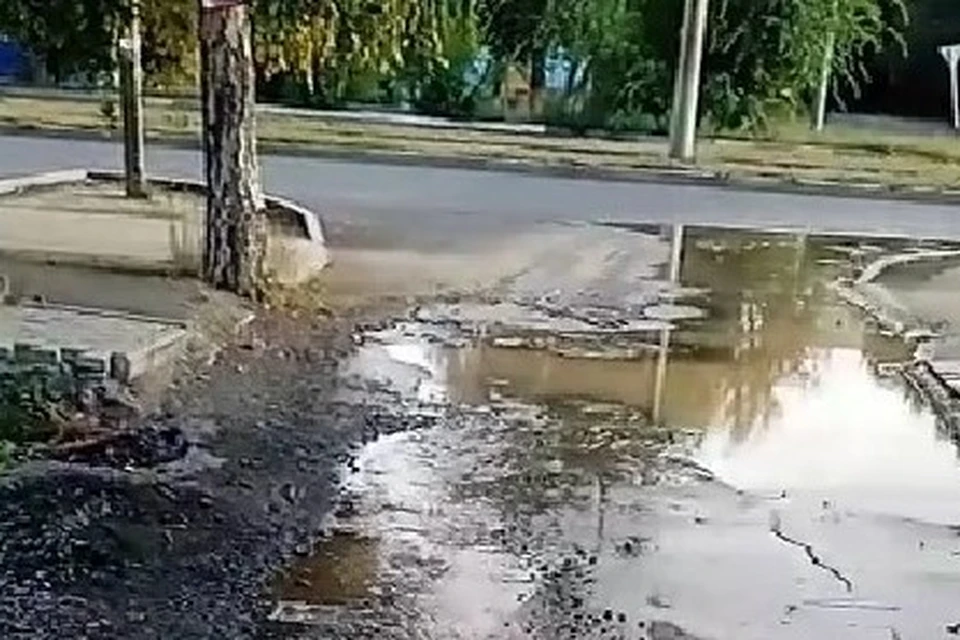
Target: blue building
(13,61)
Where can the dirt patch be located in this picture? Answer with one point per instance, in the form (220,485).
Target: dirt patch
(173,530)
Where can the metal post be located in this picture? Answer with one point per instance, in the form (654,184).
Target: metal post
(131,81)
(663,351)
(676,253)
(683,124)
(830,43)
(952,55)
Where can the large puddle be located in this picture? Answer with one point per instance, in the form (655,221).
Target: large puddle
(722,446)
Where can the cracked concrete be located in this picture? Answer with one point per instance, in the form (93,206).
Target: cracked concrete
(815,559)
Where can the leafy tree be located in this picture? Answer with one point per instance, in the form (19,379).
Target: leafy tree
(618,53)
(765,56)
(67,36)
(170,42)
(340,49)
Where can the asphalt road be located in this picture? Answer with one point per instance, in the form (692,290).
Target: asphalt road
(434,205)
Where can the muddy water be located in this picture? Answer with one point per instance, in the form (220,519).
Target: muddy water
(729,455)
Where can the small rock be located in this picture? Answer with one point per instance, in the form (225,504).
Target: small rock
(166,492)
(136,616)
(289,492)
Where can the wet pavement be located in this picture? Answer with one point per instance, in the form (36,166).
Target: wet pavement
(710,444)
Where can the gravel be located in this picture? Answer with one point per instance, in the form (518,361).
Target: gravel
(173,530)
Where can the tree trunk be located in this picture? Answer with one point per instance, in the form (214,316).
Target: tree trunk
(538,81)
(236,229)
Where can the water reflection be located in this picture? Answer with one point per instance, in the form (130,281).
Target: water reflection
(836,426)
(341,571)
(565,455)
(770,326)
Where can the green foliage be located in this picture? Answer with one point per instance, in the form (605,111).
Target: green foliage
(26,401)
(614,48)
(518,28)
(341,50)
(766,56)
(7,449)
(67,36)
(454,82)
(169,31)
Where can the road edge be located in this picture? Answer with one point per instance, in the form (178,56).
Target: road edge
(686,175)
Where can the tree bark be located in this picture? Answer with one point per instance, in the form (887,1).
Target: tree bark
(131,74)
(236,228)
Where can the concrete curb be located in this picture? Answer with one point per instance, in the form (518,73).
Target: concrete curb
(123,366)
(876,302)
(309,221)
(10,186)
(680,175)
(875,269)
(294,259)
(930,386)
(874,299)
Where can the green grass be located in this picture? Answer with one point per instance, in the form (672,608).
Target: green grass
(7,450)
(790,153)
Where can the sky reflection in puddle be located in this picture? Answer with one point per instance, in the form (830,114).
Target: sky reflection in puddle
(778,382)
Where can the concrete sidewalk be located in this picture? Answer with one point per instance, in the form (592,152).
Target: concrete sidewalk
(67,220)
(95,224)
(89,271)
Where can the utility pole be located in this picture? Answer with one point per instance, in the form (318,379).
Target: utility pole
(131,86)
(663,351)
(236,228)
(830,43)
(951,54)
(686,94)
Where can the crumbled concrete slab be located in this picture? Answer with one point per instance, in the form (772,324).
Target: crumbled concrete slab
(128,346)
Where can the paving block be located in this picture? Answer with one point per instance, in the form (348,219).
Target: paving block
(69,355)
(87,366)
(28,354)
(120,367)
